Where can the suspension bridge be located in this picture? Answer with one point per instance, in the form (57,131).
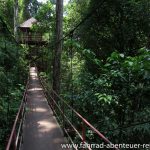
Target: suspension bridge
(36,125)
(44,120)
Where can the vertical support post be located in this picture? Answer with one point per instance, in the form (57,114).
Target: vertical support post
(63,115)
(52,103)
(71,55)
(14,139)
(83,132)
(25,100)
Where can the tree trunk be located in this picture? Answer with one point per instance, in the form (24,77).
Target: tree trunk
(58,50)
(15,18)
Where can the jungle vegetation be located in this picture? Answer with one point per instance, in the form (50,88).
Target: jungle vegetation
(105,63)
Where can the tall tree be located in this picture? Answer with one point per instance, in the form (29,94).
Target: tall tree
(58,50)
(15,17)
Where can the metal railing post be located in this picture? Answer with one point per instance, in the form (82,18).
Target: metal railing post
(53,101)
(63,116)
(14,138)
(83,132)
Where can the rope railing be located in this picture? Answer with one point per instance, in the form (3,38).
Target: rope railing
(56,106)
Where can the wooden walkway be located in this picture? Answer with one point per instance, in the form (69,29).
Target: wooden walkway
(41,130)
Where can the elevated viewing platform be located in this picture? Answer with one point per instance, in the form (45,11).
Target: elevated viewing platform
(28,36)
(32,40)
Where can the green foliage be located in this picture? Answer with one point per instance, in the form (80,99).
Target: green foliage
(115,25)
(105,67)
(74,12)
(45,16)
(119,96)
(115,96)
(13,73)
(6,9)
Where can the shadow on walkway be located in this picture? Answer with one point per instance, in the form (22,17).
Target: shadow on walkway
(41,130)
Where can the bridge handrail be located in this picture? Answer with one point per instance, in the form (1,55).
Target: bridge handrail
(84,121)
(13,139)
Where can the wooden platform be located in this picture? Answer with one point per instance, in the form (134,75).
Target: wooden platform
(41,130)
(31,42)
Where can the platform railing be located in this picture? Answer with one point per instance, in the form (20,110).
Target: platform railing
(31,38)
(60,107)
(16,137)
